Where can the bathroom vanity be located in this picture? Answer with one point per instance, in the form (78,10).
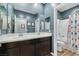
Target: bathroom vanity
(26,44)
(23,32)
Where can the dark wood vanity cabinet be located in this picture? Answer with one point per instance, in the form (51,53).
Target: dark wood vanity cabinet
(35,47)
(21,48)
(13,51)
(27,50)
(43,46)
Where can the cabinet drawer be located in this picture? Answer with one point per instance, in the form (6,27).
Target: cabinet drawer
(18,44)
(13,52)
(27,42)
(11,45)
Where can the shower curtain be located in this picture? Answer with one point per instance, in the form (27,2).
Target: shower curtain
(62,28)
(73,32)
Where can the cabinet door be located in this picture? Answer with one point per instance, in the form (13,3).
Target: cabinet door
(22,48)
(12,48)
(27,50)
(43,47)
(37,47)
(13,52)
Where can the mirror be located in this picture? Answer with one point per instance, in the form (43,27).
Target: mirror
(47,24)
(43,25)
(17,21)
(37,25)
(3,19)
(20,25)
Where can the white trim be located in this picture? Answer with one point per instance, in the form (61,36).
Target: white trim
(55,31)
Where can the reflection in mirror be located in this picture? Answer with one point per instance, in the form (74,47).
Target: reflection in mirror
(10,18)
(18,21)
(20,25)
(42,24)
(3,19)
(37,25)
(32,24)
(29,21)
(47,24)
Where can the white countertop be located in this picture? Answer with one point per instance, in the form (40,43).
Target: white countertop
(26,36)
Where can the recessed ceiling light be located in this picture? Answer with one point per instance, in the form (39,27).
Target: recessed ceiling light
(28,17)
(35,4)
(21,16)
(53,4)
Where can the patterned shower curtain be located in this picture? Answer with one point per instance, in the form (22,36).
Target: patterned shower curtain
(73,32)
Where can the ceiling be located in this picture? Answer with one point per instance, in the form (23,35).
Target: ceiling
(65,6)
(27,7)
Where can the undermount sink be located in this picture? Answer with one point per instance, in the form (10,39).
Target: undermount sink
(20,35)
(38,33)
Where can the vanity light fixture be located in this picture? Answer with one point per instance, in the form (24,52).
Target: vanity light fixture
(32,24)
(29,23)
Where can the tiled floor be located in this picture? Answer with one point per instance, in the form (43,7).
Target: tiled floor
(66,52)
(50,54)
